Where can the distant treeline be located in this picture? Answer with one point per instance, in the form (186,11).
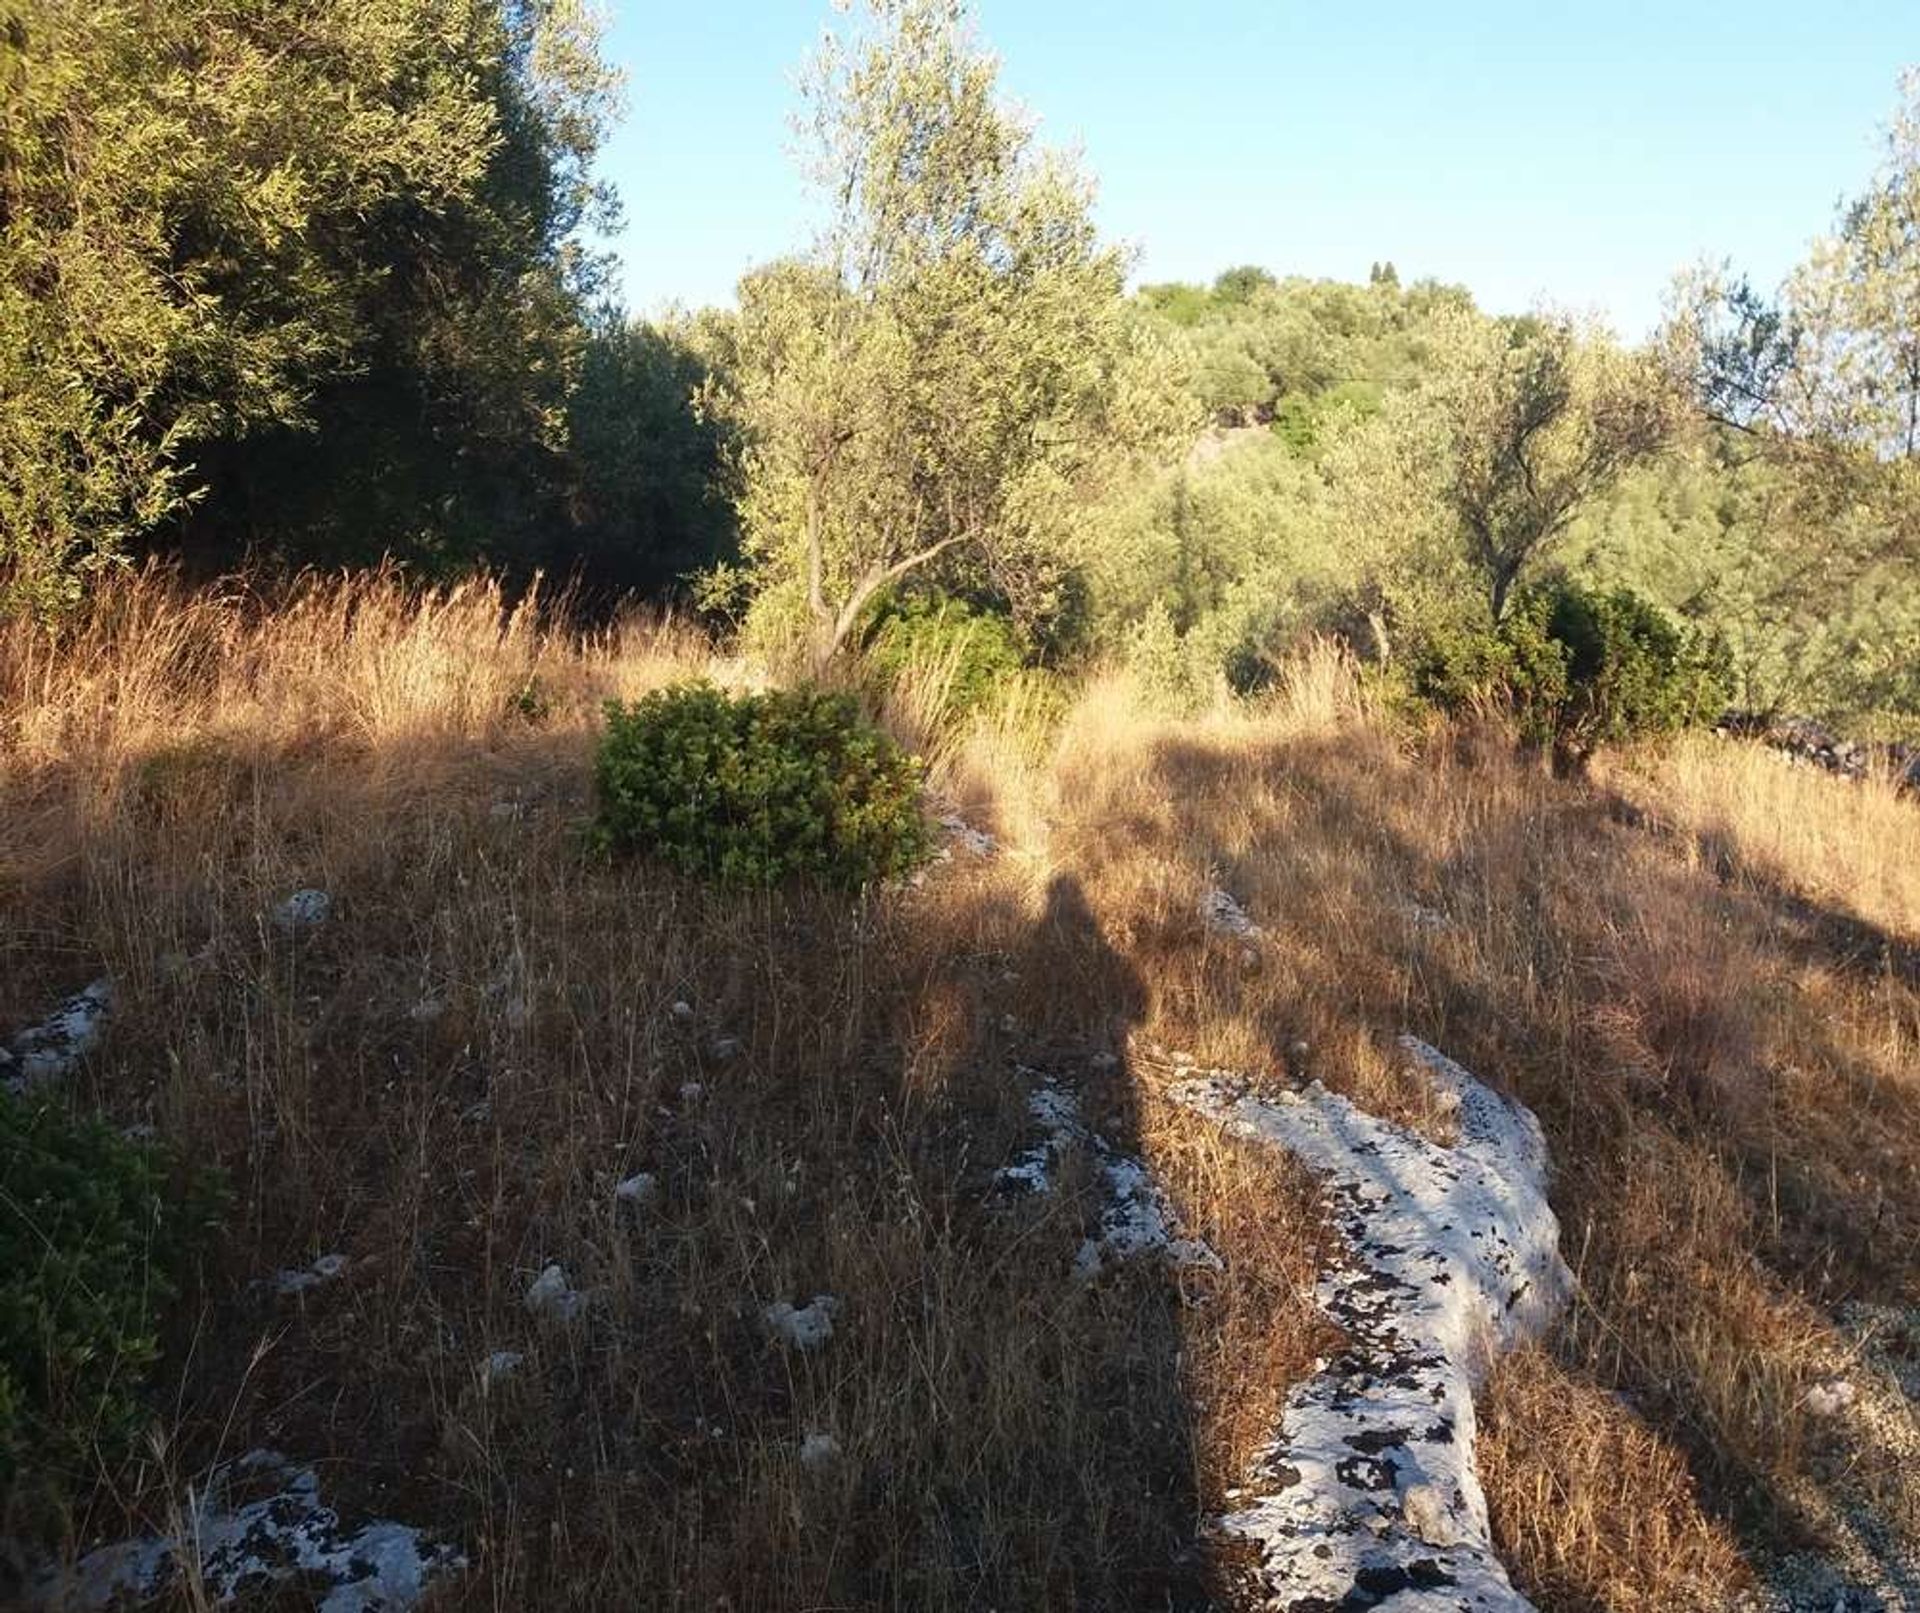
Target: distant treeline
(306,284)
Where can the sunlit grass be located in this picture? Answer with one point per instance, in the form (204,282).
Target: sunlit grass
(445,1083)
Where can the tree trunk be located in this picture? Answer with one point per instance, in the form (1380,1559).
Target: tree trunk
(1504,578)
(831,631)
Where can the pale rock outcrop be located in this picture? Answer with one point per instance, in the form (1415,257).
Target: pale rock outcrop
(1368,1495)
(1135,1217)
(50,1049)
(280,1534)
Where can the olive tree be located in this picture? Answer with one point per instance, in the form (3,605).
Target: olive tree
(1823,379)
(221,223)
(930,384)
(1465,480)
(1537,419)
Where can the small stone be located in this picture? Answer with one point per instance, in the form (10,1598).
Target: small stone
(1104,1062)
(1831,1398)
(303,910)
(692,1092)
(642,1188)
(818,1452)
(976,841)
(550,1294)
(498,1367)
(322,1271)
(725,1047)
(1225,916)
(682,1011)
(804,1327)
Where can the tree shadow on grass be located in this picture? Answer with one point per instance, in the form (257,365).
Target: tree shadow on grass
(1602,982)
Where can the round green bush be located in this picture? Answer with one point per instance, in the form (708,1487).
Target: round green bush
(1580,667)
(755,789)
(96,1233)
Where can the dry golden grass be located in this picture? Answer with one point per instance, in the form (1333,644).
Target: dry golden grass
(446,1082)
(1852,845)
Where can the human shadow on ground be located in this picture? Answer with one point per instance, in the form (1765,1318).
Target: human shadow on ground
(496,1029)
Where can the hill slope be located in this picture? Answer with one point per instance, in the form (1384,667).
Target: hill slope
(677,1262)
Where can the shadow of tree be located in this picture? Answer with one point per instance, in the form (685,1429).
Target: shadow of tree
(1730,1159)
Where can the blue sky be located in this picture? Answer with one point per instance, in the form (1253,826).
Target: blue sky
(1580,153)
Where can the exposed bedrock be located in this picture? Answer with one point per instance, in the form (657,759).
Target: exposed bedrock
(1368,1496)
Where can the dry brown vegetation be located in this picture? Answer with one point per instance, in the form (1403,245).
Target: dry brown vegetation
(1698,968)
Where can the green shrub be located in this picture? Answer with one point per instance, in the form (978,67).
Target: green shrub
(755,789)
(931,631)
(96,1234)
(1631,670)
(1579,668)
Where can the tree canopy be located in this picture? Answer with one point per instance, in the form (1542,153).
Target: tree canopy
(933,379)
(244,252)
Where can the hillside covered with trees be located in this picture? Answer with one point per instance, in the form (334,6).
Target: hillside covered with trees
(327,304)
(964,933)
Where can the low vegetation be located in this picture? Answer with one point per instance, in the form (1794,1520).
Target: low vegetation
(1576,669)
(447,1080)
(754,789)
(98,1234)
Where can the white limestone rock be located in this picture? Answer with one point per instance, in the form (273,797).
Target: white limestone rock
(1369,1494)
(1135,1218)
(639,1189)
(1830,1399)
(49,1050)
(328,1268)
(803,1327)
(1225,916)
(818,1452)
(551,1297)
(976,842)
(284,1534)
(303,910)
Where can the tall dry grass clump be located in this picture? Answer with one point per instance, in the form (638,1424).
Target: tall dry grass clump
(1754,813)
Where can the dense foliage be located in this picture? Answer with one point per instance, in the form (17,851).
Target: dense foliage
(306,279)
(96,1234)
(937,383)
(755,789)
(653,488)
(971,653)
(1578,668)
